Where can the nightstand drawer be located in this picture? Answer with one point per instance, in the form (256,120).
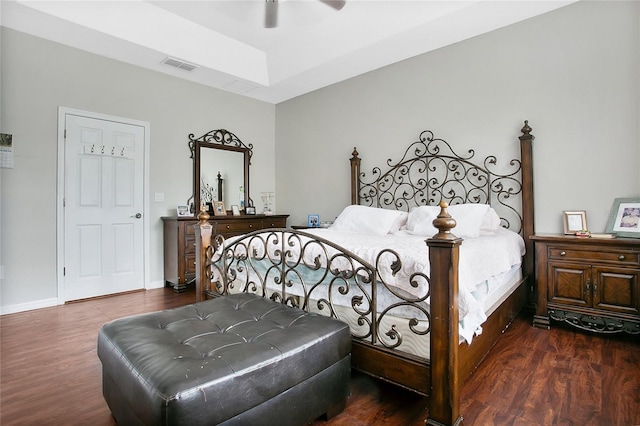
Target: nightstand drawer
(595,254)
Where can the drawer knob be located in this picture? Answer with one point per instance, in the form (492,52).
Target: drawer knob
(563,253)
(621,257)
(250,226)
(227,226)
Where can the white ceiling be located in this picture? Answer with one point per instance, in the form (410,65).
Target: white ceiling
(313,46)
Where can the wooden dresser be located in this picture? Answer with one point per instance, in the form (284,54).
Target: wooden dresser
(180,241)
(590,283)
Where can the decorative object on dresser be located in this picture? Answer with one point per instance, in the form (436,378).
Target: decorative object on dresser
(624,219)
(218,208)
(183,211)
(313,221)
(590,283)
(179,241)
(379,283)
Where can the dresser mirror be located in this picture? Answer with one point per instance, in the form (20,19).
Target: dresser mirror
(220,169)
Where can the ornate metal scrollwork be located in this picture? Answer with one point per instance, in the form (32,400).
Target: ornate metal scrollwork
(220,137)
(430,171)
(595,323)
(306,271)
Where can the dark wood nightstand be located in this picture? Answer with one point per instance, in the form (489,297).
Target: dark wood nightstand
(590,283)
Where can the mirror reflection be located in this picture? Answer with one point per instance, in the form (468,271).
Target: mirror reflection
(230,166)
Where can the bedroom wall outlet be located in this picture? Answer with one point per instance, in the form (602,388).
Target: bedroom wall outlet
(159,196)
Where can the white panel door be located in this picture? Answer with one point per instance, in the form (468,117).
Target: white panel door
(103,205)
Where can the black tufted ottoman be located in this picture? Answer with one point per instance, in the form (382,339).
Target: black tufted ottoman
(238,359)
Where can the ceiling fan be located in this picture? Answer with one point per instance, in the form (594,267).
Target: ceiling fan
(271,10)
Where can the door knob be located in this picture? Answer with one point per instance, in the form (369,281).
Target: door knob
(137,216)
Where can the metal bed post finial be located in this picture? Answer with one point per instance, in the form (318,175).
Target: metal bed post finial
(444,223)
(355,177)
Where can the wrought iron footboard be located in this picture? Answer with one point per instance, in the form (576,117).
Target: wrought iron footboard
(306,271)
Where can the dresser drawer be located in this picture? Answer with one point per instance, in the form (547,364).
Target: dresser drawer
(225,227)
(594,254)
(275,222)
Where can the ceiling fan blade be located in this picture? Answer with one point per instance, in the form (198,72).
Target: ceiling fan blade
(271,13)
(336,4)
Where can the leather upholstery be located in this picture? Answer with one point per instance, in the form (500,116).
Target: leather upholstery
(225,358)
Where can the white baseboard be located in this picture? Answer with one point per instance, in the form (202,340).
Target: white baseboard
(22,307)
(47,303)
(155,284)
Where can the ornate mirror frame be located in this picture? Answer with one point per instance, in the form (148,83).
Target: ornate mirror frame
(223,140)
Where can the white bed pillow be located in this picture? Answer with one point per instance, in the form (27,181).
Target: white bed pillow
(490,222)
(399,223)
(469,219)
(368,220)
(420,220)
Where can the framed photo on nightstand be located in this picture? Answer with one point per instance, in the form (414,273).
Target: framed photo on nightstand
(624,219)
(574,221)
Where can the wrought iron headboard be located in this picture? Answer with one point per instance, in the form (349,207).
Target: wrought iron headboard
(431,171)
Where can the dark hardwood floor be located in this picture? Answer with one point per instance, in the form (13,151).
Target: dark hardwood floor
(50,373)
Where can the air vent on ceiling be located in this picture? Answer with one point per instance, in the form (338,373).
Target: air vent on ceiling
(179,64)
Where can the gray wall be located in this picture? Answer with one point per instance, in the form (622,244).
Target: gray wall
(39,76)
(573,73)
